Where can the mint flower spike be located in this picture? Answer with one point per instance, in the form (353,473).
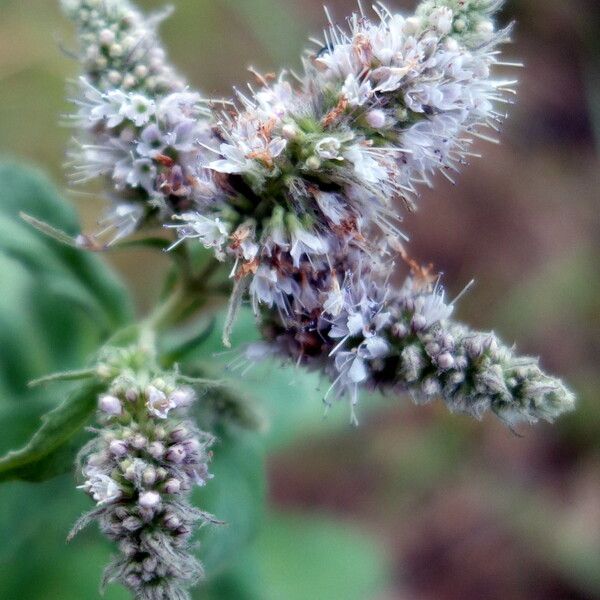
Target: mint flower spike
(138,126)
(395,341)
(303,169)
(119,47)
(139,469)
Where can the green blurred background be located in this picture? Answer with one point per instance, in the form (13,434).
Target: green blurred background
(416,503)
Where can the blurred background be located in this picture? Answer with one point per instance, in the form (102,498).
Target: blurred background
(442,507)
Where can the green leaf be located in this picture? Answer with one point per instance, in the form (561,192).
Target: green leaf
(58,305)
(25,190)
(299,556)
(236,496)
(43,455)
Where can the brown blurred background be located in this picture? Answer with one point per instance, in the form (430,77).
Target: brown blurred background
(466,510)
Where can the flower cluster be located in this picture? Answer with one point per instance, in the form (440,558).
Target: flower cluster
(406,341)
(119,47)
(300,171)
(140,128)
(147,148)
(298,187)
(139,470)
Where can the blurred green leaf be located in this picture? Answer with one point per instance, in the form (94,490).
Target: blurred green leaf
(236,496)
(25,190)
(48,452)
(57,306)
(305,556)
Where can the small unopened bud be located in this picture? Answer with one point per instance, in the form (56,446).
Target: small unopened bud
(128,548)
(313,163)
(149,499)
(118,448)
(289,131)
(115,50)
(139,441)
(149,476)
(176,454)
(399,330)
(131,395)
(191,445)
(171,521)
(459,25)
(173,486)
(106,37)
(485,27)
(111,405)
(141,71)
(132,523)
(129,472)
(160,433)
(402,115)
(114,77)
(183,397)
(445,360)
(149,564)
(376,118)
(180,433)
(412,25)
(161,474)
(156,450)
(419,322)
(133,580)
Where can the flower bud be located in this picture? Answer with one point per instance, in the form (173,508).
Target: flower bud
(139,441)
(156,450)
(149,564)
(118,448)
(182,397)
(110,405)
(131,395)
(173,486)
(313,163)
(445,360)
(176,454)
(179,434)
(419,322)
(376,118)
(149,499)
(149,476)
(132,523)
(171,521)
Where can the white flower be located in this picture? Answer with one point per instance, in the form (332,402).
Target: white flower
(109,107)
(366,168)
(142,174)
(177,106)
(211,232)
(334,302)
(101,487)
(158,403)
(235,160)
(263,287)
(434,308)
(152,142)
(357,93)
(138,108)
(304,242)
(329,148)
